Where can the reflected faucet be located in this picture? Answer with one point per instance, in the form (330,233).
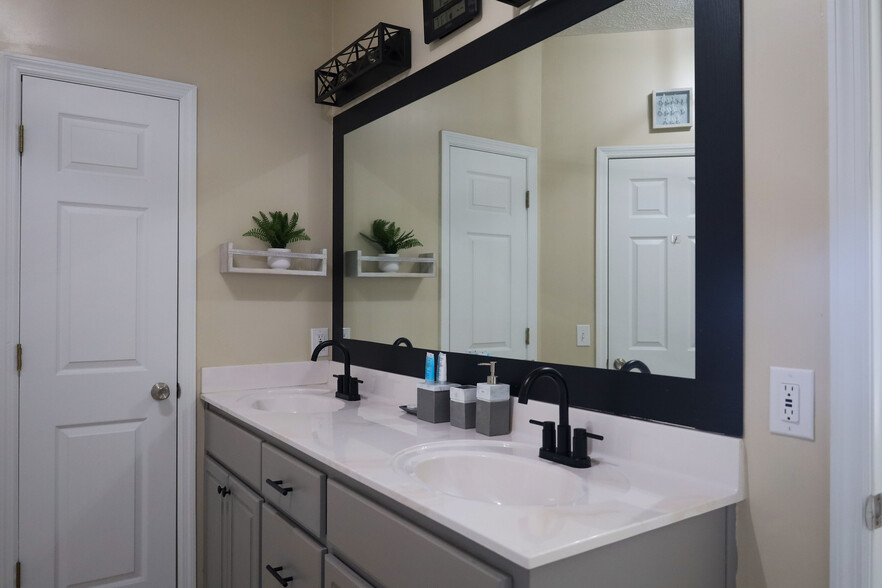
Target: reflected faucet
(403,341)
(347,386)
(561,453)
(635,364)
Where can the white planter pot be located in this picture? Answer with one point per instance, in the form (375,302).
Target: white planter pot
(276,262)
(389,266)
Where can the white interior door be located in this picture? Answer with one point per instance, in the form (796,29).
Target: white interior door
(487,276)
(98,330)
(652,263)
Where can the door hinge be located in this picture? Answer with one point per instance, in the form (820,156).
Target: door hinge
(18,574)
(21,139)
(527,336)
(873,512)
(528,199)
(18,357)
(179,389)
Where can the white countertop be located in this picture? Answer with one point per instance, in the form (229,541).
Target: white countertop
(646,475)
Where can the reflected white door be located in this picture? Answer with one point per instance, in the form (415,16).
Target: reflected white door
(652,263)
(98,330)
(488,281)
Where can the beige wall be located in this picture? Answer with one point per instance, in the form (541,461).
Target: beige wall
(783,527)
(263,144)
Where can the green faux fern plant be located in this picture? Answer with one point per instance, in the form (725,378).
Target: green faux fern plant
(390,238)
(276,230)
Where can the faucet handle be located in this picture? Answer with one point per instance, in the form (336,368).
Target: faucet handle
(580,443)
(547,434)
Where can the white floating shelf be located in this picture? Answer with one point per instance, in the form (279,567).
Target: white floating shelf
(228,253)
(355,269)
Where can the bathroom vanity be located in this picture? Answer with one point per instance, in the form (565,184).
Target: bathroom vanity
(303,489)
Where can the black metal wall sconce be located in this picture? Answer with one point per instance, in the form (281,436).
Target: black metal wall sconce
(378,55)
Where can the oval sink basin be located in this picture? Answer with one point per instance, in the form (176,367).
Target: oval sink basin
(501,473)
(298,403)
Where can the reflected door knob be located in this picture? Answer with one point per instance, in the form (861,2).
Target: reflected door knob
(160,391)
(618,363)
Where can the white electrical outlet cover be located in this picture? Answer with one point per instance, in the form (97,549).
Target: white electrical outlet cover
(801,423)
(317,336)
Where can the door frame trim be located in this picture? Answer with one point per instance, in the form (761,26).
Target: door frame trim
(601,230)
(12,68)
(530,154)
(855,131)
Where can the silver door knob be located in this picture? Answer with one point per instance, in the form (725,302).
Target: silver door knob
(160,391)
(618,363)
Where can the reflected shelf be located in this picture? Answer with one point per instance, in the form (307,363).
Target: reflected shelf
(354,266)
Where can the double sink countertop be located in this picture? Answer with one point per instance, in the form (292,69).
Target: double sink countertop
(532,512)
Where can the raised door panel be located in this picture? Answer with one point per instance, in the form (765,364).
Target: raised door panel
(243,507)
(216,565)
(289,556)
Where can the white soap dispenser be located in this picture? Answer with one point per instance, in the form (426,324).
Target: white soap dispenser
(493,410)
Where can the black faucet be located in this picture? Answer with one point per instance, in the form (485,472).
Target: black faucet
(576,457)
(347,386)
(404,342)
(635,364)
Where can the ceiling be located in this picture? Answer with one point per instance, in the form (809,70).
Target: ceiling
(638,15)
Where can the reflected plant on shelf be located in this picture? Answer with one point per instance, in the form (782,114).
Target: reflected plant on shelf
(277,230)
(390,239)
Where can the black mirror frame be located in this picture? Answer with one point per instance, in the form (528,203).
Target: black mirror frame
(713,401)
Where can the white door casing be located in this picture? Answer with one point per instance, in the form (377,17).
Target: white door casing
(645,257)
(78,220)
(489,247)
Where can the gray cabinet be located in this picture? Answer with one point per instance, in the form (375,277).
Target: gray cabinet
(232,530)
(295,489)
(291,558)
(338,575)
(393,552)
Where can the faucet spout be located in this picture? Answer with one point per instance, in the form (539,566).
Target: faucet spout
(347,386)
(563,392)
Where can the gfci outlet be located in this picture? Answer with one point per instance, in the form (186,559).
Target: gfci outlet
(317,336)
(792,402)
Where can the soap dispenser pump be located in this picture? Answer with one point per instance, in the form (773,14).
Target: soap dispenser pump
(493,406)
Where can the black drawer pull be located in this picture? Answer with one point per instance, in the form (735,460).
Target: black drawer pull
(277,576)
(223,491)
(277,486)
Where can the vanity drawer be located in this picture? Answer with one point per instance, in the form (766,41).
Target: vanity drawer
(234,447)
(285,546)
(305,501)
(392,552)
(338,575)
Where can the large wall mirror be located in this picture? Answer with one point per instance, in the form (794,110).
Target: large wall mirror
(600,265)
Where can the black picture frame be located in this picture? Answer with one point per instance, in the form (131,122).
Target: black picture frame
(713,400)
(432,31)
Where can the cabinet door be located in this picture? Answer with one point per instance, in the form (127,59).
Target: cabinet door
(216,479)
(244,554)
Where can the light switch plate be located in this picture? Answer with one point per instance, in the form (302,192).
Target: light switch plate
(583,335)
(792,402)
